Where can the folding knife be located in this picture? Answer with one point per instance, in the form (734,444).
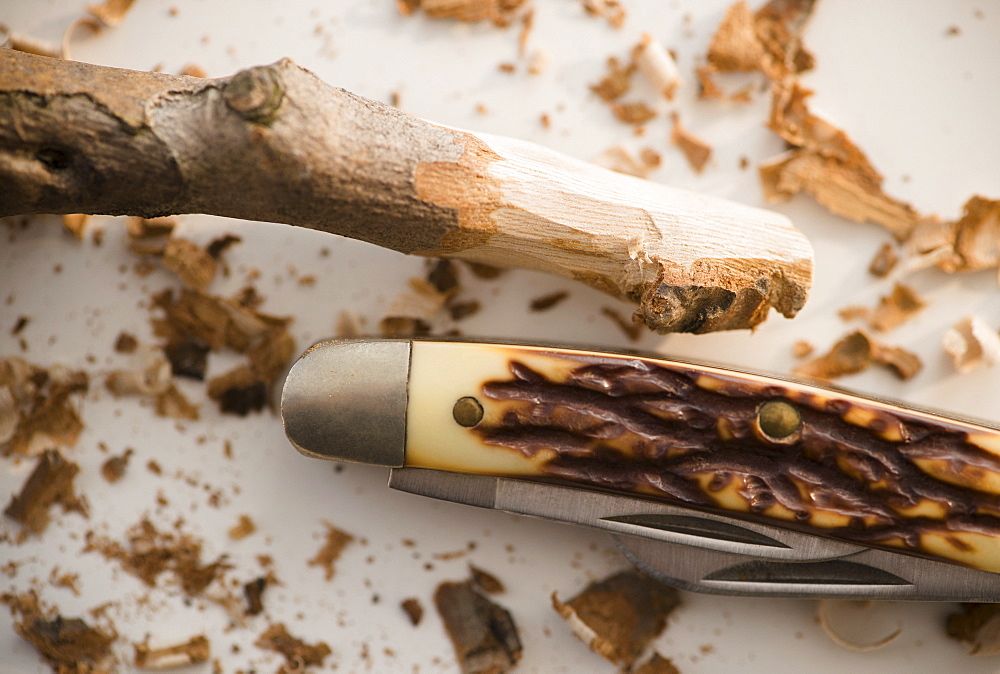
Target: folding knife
(709,479)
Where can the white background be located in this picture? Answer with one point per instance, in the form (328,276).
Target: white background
(921,103)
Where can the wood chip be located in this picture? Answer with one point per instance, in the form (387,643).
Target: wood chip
(149,236)
(329,553)
(884,262)
(253,592)
(194,266)
(735,46)
(239,391)
(656,664)
(619,159)
(978,627)
(616,82)
(635,112)
(610,10)
(655,62)
(486,581)
(243,528)
(149,553)
(217,321)
(110,12)
(10,39)
(856,352)
(50,483)
(976,237)
(153,378)
(193,70)
(70,645)
(414,610)
(972,344)
(802,349)
(298,654)
(126,343)
(172,404)
(619,616)
(193,651)
(896,308)
(546,302)
(114,468)
(482,632)
(695,150)
(501,12)
(75,224)
(36,409)
(403,326)
(188,357)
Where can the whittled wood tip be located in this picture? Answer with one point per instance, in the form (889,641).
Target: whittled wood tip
(274,143)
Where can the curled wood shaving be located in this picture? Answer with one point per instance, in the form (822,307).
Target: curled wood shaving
(655,62)
(896,308)
(695,150)
(93,25)
(822,613)
(10,39)
(857,352)
(193,651)
(972,344)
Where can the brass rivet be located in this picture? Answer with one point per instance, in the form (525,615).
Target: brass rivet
(778,419)
(467,411)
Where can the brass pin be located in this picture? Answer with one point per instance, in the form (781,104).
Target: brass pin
(467,411)
(778,419)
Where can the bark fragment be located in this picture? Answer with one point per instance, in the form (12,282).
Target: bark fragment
(70,645)
(619,616)
(51,482)
(483,633)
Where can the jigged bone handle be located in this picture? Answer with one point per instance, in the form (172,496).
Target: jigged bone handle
(820,461)
(274,143)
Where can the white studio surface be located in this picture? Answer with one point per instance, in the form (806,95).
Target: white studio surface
(919,101)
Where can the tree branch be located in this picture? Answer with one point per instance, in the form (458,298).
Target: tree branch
(274,143)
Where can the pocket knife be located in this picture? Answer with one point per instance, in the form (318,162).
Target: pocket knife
(709,479)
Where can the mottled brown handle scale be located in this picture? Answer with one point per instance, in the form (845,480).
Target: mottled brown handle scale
(821,461)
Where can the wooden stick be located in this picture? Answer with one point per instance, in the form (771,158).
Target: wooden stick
(274,143)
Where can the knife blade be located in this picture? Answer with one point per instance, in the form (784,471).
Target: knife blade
(863,489)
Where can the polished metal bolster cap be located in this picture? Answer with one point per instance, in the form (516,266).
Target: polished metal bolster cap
(345,400)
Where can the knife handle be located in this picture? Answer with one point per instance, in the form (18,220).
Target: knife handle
(820,461)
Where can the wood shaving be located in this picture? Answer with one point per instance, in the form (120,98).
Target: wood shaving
(975,237)
(149,236)
(50,483)
(632,329)
(486,581)
(188,357)
(153,378)
(696,151)
(10,39)
(856,352)
(822,614)
(239,391)
(619,616)
(546,302)
(126,343)
(656,664)
(253,592)
(896,308)
(501,12)
(527,25)
(114,468)
(75,224)
(150,553)
(854,312)
(172,404)
(298,654)
(193,70)
(36,410)
(110,12)
(217,321)
(611,10)
(94,26)
(978,627)
(619,159)
(735,46)
(655,62)
(884,262)
(243,528)
(538,62)
(802,349)
(327,556)
(194,266)
(403,326)
(70,645)
(192,652)
(616,82)
(972,344)
(413,609)
(635,112)
(482,632)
